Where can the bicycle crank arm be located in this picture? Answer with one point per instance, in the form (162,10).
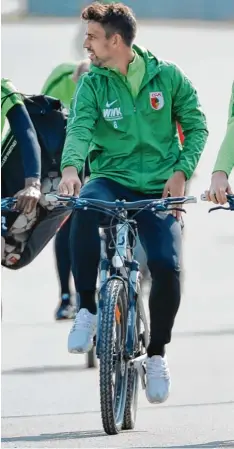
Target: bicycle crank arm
(140,359)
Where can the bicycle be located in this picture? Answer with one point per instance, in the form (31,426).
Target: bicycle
(122,332)
(230,201)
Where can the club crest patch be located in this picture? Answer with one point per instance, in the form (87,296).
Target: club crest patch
(156,100)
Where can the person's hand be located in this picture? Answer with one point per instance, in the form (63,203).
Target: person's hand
(70,183)
(218,188)
(28,197)
(175,186)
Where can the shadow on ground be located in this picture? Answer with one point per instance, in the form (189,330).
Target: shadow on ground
(60,436)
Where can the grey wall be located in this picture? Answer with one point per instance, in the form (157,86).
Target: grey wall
(167,9)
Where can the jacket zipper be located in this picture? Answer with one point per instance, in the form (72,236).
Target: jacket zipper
(136,122)
(139,139)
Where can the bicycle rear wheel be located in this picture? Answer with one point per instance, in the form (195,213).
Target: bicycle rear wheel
(113,366)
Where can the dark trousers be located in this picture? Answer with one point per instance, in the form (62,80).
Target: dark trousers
(62,254)
(160,237)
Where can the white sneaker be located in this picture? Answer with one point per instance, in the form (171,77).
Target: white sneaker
(80,339)
(158,381)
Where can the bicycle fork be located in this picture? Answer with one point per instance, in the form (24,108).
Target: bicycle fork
(120,262)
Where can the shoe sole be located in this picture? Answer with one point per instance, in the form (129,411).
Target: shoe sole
(80,350)
(156,401)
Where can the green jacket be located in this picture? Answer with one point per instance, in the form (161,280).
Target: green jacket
(135,142)
(225,158)
(60,84)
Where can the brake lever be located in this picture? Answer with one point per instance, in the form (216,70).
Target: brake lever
(219,207)
(178,208)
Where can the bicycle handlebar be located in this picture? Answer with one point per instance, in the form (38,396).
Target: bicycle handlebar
(230,200)
(229,197)
(155,204)
(8,203)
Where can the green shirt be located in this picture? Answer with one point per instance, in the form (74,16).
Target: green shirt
(9,98)
(134,140)
(60,84)
(225,158)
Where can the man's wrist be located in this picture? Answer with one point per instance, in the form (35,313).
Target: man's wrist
(220,172)
(69,168)
(181,174)
(33,182)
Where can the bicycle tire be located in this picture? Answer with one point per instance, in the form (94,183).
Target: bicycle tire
(133,383)
(113,403)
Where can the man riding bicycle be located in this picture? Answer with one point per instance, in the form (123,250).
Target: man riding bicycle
(224,162)
(61,83)
(124,115)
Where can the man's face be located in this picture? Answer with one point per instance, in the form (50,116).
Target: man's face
(100,48)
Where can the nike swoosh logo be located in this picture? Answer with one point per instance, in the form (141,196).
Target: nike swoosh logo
(108,105)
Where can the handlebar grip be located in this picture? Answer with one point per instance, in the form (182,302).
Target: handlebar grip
(51,197)
(191,199)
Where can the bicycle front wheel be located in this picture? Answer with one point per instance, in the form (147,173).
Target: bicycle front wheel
(113,366)
(133,376)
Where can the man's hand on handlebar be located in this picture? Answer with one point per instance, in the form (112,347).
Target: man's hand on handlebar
(218,188)
(175,186)
(70,183)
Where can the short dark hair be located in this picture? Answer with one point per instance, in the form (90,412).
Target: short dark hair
(114,18)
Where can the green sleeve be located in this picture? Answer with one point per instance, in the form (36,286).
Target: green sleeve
(187,111)
(225,158)
(9,96)
(81,124)
(56,76)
